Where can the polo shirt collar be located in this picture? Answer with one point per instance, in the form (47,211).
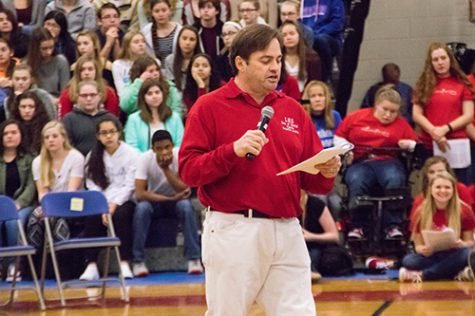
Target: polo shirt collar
(233,92)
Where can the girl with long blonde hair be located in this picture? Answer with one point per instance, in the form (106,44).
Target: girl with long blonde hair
(442,210)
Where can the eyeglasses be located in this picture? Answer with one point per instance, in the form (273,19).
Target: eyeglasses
(289,14)
(110,132)
(247,10)
(88,95)
(228,34)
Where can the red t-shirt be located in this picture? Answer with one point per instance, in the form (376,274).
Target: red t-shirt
(444,106)
(363,130)
(229,183)
(440,220)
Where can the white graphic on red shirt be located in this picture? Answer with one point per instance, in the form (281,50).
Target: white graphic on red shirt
(288,124)
(376,131)
(444,91)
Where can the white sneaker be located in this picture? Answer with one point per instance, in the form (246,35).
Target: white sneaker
(125,270)
(465,275)
(91,273)
(140,270)
(11,273)
(195,267)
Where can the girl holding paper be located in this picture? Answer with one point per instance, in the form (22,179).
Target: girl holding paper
(443,104)
(441,210)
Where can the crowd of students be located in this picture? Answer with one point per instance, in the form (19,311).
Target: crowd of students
(72,72)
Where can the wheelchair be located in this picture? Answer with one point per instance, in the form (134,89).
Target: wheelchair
(375,241)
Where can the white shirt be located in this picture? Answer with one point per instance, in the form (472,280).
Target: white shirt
(73,166)
(120,168)
(148,169)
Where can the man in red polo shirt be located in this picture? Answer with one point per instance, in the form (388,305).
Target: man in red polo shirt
(253,245)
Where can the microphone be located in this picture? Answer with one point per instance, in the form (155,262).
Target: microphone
(266,114)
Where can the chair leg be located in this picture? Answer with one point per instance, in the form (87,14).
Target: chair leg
(58,277)
(37,285)
(121,276)
(105,273)
(12,291)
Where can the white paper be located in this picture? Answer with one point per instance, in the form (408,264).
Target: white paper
(458,155)
(439,240)
(322,157)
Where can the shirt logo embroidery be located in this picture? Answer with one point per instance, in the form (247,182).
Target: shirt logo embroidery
(288,124)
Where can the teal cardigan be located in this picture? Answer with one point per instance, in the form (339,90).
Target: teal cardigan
(128,98)
(25,194)
(137,131)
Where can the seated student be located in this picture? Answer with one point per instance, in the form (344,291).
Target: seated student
(301,62)
(191,11)
(58,168)
(290,11)
(441,210)
(108,31)
(87,42)
(12,33)
(377,127)
(391,74)
(7,63)
(146,67)
(319,229)
(16,181)
(81,14)
(110,169)
(154,114)
(432,166)
(176,65)
(161,34)
(81,122)
(317,96)
(87,68)
(159,189)
(51,70)
(133,46)
(57,24)
(28,14)
(209,27)
(23,81)
(327,20)
(267,11)
(202,77)
(229,31)
(126,8)
(30,112)
(249,13)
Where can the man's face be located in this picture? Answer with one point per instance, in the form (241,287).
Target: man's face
(262,70)
(163,150)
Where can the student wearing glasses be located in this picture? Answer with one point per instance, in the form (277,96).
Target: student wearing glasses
(249,13)
(81,122)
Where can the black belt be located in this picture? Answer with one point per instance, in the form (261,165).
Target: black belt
(252,213)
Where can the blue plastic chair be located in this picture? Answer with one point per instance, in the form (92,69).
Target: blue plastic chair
(79,204)
(8,211)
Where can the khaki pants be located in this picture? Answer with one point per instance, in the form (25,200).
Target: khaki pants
(262,260)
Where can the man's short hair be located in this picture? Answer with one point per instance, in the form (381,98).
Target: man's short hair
(160,135)
(252,39)
(105,6)
(216,4)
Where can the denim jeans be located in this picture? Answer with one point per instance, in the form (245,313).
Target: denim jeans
(11,228)
(186,214)
(327,47)
(364,178)
(440,265)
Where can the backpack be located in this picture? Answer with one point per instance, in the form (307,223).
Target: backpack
(335,261)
